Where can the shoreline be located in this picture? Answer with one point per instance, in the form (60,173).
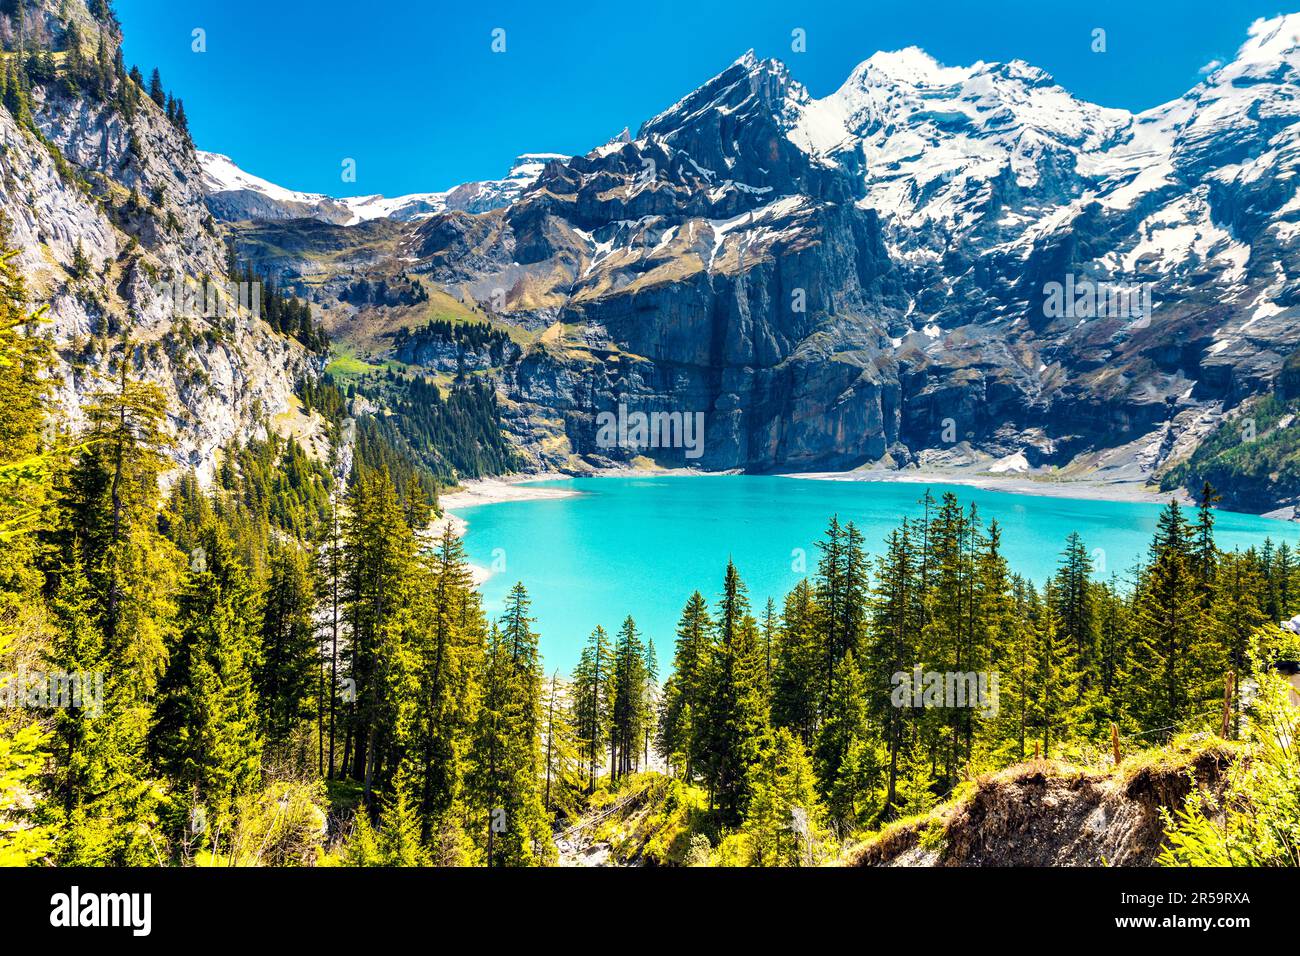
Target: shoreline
(1081,489)
(487,491)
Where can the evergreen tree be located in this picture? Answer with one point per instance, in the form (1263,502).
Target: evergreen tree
(1236,614)
(1071,590)
(797,669)
(379,550)
(205,733)
(449,633)
(591,703)
(684,692)
(734,713)
(1114,657)
(1207,556)
(510,823)
(1054,689)
(1169,628)
(896,620)
(651,698)
(561,748)
(288,665)
(785,823)
(156,91)
(629,711)
(844,732)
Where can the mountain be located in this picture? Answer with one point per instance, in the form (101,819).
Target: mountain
(103,197)
(234,195)
(934,265)
(875,276)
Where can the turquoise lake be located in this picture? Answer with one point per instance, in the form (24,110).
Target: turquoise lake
(640,546)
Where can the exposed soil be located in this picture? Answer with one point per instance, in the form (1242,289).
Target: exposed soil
(1045,813)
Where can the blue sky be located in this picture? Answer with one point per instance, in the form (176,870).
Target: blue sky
(411,90)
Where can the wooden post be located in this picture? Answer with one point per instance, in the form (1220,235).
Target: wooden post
(1228,687)
(1037,752)
(1114,741)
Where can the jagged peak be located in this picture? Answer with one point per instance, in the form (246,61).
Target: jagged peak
(769,78)
(1270,39)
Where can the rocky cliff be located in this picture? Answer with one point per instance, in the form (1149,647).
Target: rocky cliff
(103,197)
(933,263)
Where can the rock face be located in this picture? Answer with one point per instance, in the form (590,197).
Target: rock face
(933,260)
(127,196)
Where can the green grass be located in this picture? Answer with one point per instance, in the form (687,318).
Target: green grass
(345,364)
(1252,471)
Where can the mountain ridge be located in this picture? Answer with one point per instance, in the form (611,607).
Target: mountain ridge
(870,278)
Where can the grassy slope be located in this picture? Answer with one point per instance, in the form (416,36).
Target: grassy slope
(1253,459)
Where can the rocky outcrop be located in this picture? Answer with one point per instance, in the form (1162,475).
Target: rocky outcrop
(109,215)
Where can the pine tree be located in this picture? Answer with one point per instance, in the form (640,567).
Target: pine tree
(100,800)
(1114,670)
(26,463)
(562,754)
(108,500)
(683,695)
(629,711)
(1236,614)
(785,823)
(896,620)
(1207,555)
(288,666)
(379,550)
(17,98)
(205,732)
(845,731)
(1017,672)
(947,632)
(733,714)
(1169,627)
(397,841)
(449,633)
(80,267)
(509,821)
(1054,701)
(156,91)
(796,671)
(841,595)
(591,704)
(1071,590)
(651,698)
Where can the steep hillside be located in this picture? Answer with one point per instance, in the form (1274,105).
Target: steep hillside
(103,194)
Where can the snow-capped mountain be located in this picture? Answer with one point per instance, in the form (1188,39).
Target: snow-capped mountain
(850,278)
(944,147)
(235,195)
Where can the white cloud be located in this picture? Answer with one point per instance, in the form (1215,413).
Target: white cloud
(1211,66)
